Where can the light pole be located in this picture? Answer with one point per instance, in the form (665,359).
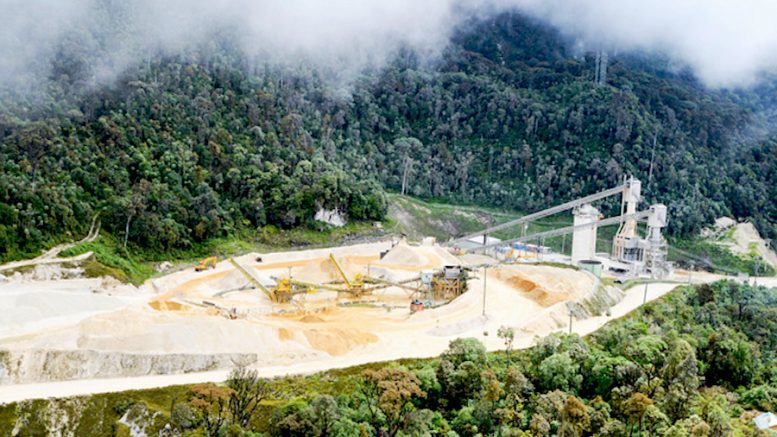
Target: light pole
(690,271)
(644,296)
(485,276)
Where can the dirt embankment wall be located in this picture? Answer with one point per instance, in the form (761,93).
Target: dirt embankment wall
(21,367)
(594,303)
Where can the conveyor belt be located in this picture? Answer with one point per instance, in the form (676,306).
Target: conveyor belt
(543,213)
(567,230)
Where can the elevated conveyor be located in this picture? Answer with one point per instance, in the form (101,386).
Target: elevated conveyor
(252,279)
(546,212)
(566,230)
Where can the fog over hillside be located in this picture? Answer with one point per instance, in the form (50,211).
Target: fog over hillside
(725,43)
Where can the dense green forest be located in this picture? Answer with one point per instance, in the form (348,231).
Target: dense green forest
(697,362)
(186,147)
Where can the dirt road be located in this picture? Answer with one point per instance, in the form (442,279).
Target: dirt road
(51,256)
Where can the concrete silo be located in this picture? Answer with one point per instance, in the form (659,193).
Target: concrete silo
(584,239)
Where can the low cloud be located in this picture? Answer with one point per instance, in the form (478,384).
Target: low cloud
(725,43)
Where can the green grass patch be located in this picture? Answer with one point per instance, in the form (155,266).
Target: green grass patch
(135,265)
(321,235)
(728,234)
(96,269)
(557,265)
(752,249)
(110,259)
(420,218)
(703,253)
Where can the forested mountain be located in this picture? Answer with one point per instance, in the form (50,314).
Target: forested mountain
(184,147)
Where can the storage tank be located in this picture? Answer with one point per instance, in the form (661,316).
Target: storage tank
(592,266)
(426,276)
(584,239)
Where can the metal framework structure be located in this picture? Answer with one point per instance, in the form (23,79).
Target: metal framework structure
(642,215)
(546,212)
(646,255)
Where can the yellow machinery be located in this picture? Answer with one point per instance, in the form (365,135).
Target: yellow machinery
(207,263)
(366,284)
(449,283)
(356,286)
(284,288)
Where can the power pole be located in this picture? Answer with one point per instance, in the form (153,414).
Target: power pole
(408,167)
(652,158)
(485,276)
(690,271)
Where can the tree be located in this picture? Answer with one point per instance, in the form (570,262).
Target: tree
(319,418)
(212,404)
(574,418)
(680,376)
(648,352)
(705,294)
(539,425)
(34,142)
(635,408)
(712,408)
(248,391)
(549,406)
(465,349)
(559,371)
(390,391)
(517,386)
(458,371)
(508,336)
(136,205)
(730,359)
(325,413)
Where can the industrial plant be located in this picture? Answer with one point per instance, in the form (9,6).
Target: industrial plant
(632,254)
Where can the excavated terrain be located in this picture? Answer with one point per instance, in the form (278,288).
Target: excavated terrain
(89,328)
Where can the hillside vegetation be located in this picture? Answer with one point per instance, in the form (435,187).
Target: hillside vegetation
(699,361)
(205,144)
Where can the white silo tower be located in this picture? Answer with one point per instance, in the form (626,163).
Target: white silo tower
(584,239)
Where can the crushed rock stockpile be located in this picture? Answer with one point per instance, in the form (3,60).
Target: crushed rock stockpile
(178,323)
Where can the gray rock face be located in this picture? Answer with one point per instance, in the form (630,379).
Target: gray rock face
(55,365)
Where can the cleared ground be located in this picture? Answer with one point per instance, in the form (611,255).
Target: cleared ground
(13,393)
(84,328)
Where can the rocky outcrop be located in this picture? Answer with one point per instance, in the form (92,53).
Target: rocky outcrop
(20,367)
